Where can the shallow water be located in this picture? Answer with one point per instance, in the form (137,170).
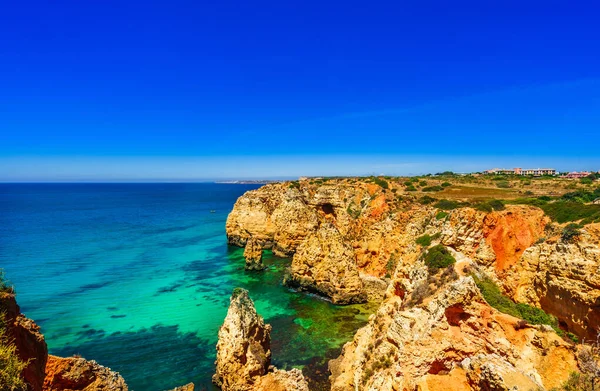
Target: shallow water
(138,277)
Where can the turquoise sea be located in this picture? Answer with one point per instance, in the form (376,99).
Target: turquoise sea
(138,278)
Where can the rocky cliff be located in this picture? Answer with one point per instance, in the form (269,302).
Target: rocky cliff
(244,352)
(452,341)
(344,234)
(51,373)
(338,229)
(28,340)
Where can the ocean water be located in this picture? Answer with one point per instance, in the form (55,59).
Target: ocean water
(138,277)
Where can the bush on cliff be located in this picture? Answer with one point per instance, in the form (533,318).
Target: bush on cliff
(438,257)
(424,240)
(533,315)
(5,285)
(570,232)
(447,204)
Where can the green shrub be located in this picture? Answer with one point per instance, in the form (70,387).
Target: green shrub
(422,183)
(446,204)
(424,240)
(586,181)
(433,188)
(440,215)
(411,188)
(446,184)
(494,297)
(426,200)
(438,257)
(483,206)
(5,285)
(408,183)
(570,232)
(294,185)
(503,184)
(381,182)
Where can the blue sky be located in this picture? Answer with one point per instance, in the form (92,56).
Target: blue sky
(185,90)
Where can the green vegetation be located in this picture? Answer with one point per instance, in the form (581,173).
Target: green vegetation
(503,184)
(294,185)
(426,200)
(424,240)
(422,183)
(570,232)
(573,206)
(440,215)
(411,188)
(446,184)
(381,182)
(533,315)
(563,212)
(353,212)
(447,204)
(438,257)
(5,285)
(586,181)
(488,206)
(433,188)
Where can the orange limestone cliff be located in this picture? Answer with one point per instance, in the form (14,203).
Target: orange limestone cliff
(51,373)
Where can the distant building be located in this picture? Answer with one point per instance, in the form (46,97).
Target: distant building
(522,171)
(577,174)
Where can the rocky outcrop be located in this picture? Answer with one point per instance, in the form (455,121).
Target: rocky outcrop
(244,352)
(79,374)
(51,373)
(253,255)
(453,341)
(28,339)
(563,278)
(325,263)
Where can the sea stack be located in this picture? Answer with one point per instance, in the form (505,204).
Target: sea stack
(244,352)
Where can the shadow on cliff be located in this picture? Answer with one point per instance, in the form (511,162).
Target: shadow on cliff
(137,357)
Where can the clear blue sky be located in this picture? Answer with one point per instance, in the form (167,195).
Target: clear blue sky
(107,90)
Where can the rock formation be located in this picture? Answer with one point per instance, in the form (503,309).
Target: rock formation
(51,373)
(30,343)
(244,352)
(253,255)
(326,264)
(453,341)
(79,374)
(187,387)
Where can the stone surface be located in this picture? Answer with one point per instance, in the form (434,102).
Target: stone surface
(253,255)
(325,263)
(28,339)
(79,374)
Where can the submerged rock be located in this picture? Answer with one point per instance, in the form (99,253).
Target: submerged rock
(244,352)
(253,255)
(79,374)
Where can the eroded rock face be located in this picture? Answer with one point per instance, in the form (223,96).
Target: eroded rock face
(244,347)
(79,374)
(187,387)
(563,278)
(253,255)
(453,341)
(28,339)
(244,352)
(325,263)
